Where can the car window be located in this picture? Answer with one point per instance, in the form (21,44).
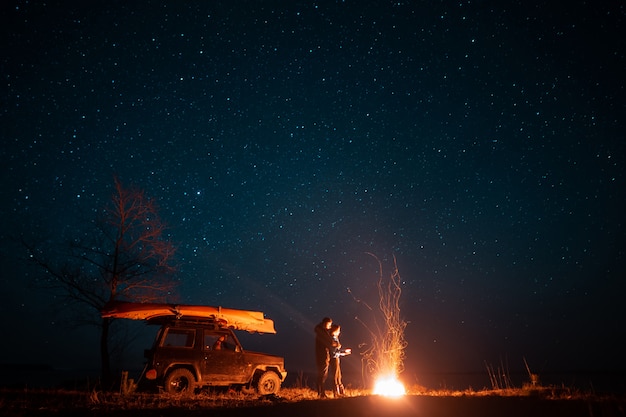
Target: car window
(179,338)
(218,341)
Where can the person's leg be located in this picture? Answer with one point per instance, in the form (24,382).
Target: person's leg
(337,387)
(340,390)
(325,376)
(322,375)
(333,371)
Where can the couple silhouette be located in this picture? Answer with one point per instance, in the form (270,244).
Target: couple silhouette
(328,353)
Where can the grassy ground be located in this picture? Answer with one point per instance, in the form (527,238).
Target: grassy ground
(24,402)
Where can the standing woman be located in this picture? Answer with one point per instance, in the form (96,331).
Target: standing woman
(335,361)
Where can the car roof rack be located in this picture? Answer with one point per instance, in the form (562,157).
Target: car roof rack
(173,320)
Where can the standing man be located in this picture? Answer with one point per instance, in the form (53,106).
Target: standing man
(324,343)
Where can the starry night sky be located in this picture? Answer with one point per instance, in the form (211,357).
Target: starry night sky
(481,143)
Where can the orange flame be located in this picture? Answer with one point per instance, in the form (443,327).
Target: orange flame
(389,386)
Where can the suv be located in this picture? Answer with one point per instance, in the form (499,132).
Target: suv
(196,347)
(190,354)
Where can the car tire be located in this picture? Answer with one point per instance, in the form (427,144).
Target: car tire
(269,383)
(180,381)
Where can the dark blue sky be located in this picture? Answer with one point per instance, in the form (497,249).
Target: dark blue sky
(481,143)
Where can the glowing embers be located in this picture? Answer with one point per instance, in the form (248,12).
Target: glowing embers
(389,386)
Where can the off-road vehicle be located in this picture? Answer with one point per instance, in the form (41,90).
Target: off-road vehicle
(196,347)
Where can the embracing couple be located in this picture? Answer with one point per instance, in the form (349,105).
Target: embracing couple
(328,352)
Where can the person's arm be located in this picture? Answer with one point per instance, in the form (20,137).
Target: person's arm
(325,338)
(344,352)
(330,341)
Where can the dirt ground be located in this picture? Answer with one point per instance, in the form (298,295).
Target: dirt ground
(418,406)
(363,406)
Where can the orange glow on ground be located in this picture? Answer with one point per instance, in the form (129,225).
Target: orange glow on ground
(389,386)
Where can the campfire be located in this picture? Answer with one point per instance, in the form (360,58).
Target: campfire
(389,386)
(384,357)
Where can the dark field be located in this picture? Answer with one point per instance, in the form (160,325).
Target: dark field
(300,403)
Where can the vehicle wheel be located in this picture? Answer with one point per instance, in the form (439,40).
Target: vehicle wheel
(269,383)
(180,381)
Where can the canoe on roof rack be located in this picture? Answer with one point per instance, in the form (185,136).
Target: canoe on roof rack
(251,321)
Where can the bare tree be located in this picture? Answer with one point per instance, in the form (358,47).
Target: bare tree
(128,258)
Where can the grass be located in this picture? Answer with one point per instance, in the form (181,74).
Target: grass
(54,401)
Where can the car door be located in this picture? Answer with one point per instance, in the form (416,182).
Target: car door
(223,362)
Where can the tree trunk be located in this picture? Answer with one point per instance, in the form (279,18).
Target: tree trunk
(104,354)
